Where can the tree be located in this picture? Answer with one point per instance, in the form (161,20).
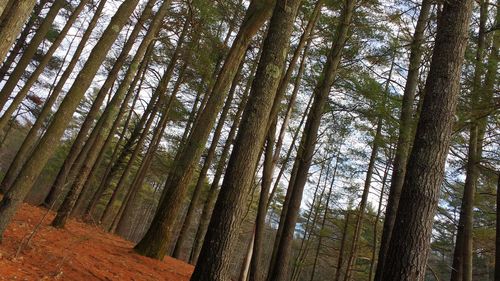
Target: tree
(45,148)
(279,263)
(409,245)
(12,23)
(155,242)
(228,211)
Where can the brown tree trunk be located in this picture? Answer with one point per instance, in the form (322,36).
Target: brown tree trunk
(213,262)
(21,40)
(462,256)
(405,134)
(213,191)
(32,137)
(155,243)
(47,145)
(188,220)
(409,245)
(30,51)
(279,269)
(70,163)
(340,261)
(497,233)
(109,115)
(12,23)
(7,114)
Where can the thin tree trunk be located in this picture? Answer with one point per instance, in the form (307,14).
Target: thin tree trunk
(109,115)
(405,134)
(279,269)
(155,243)
(462,256)
(409,245)
(12,23)
(41,32)
(32,137)
(47,145)
(340,261)
(21,40)
(71,165)
(213,191)
(377,217)
(213,262)
(497,234)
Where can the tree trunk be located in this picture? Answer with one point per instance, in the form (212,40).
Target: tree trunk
(7,114)
(155,243)
(279,270)
(47,145)
(32,137)
(405,134)
(213,262)
(109,115)
(377,217)
(70,163)
(188,220)
(28,54)
(340,261)
(12,23)
(213,191)
(497,234)
(325,214)
(462,256)
(409,245)
(21,40)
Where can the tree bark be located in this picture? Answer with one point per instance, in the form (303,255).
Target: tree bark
(409,244)
(7,114)
(32,137)
(12,23)
(21,40)
(279,270)
(71,165)
(462,256)
(46,147)
(405,134)
(213,262)
(155,243)
(30,51)
(109,115)
(188,220)
(213,191)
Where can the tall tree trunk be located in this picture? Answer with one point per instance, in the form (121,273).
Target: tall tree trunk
(377,217)
(7,114)
(343,241)
(12,23)
(32,137)
(46,147)
(462,256)
(188,220)
(325,214)
(279,269)
(409,245)
(228,211)
(126,208)
(21,40)
(351,263)
(109,115)
(497,234)
(405,134)
(155,243)
(70,163)
(96,194)
(41,32)
(213,191)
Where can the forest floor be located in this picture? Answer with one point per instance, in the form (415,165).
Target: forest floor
(78,252)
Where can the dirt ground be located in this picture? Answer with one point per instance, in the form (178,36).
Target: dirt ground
(78,252)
